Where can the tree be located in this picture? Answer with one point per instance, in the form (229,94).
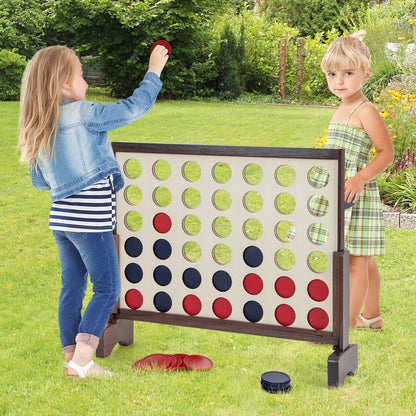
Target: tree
(122,31)
(22,25)
(228,59)
(314,16)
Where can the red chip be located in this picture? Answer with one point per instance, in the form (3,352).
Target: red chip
(285,287)
(162,223)
(175,362)
(253,284)
(134,299)
(192,305)
(222,308)
(285,315)
(197,362)
(181,365)
(157,361)
(162,42)
(318,318)
(318,290)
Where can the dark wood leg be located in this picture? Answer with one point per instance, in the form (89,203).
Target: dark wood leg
(342,364)
(119,332)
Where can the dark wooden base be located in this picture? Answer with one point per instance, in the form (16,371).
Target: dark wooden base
(342,364)
(118,332)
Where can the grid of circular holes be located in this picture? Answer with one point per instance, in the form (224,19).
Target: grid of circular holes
(253,174)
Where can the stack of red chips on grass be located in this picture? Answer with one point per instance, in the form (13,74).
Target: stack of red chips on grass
(170,362)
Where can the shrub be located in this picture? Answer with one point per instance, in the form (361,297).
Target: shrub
(398,105)
(399,190)
(260,59)
(229,79)
(388,22)
(314,16)
(12,66)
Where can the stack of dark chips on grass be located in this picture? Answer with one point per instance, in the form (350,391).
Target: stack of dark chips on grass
(275,382)
(170,362)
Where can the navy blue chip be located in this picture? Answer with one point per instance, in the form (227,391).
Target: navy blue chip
(162,302)
(192,278)
(253,311)
(253,256)
(133,273)
(221,280)
(133,247)
(162,275)
(162,249)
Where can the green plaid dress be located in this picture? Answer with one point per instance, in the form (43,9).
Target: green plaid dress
(364,223)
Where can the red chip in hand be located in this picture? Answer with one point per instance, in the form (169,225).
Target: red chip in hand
(163,43)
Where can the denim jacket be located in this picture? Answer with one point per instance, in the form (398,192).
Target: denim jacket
(83,153)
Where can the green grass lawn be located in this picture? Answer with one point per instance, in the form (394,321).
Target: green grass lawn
(30,360)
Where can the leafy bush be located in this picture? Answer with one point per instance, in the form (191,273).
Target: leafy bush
(122,32)
(388,22)
(229,79)
(399,190)
(314,81)
(260,62)
(12,66)
(314,16)
(399,112)
(23,25)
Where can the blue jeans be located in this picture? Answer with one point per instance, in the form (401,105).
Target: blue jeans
(83,254)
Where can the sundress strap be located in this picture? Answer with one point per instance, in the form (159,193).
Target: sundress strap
(353,110)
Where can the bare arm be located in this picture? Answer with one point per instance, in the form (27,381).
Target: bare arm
(376,128)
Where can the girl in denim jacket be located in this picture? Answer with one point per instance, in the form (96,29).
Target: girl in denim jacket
(65,141)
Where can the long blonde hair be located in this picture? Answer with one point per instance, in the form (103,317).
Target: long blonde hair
(39,100)
(349,48)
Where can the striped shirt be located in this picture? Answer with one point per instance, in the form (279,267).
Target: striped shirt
(91,210)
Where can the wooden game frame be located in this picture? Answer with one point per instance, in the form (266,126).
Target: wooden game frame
(344,359)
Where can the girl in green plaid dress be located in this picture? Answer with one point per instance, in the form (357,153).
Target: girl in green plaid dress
(358,127)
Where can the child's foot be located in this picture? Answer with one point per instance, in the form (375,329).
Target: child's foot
(89,370)
(373,323)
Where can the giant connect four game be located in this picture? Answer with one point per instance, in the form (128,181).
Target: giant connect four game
(225,238)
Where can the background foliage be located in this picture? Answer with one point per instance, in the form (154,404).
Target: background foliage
(314,16)
(119,33)
(12,66)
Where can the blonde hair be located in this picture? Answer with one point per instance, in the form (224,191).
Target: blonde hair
(350,48)
(39,100)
